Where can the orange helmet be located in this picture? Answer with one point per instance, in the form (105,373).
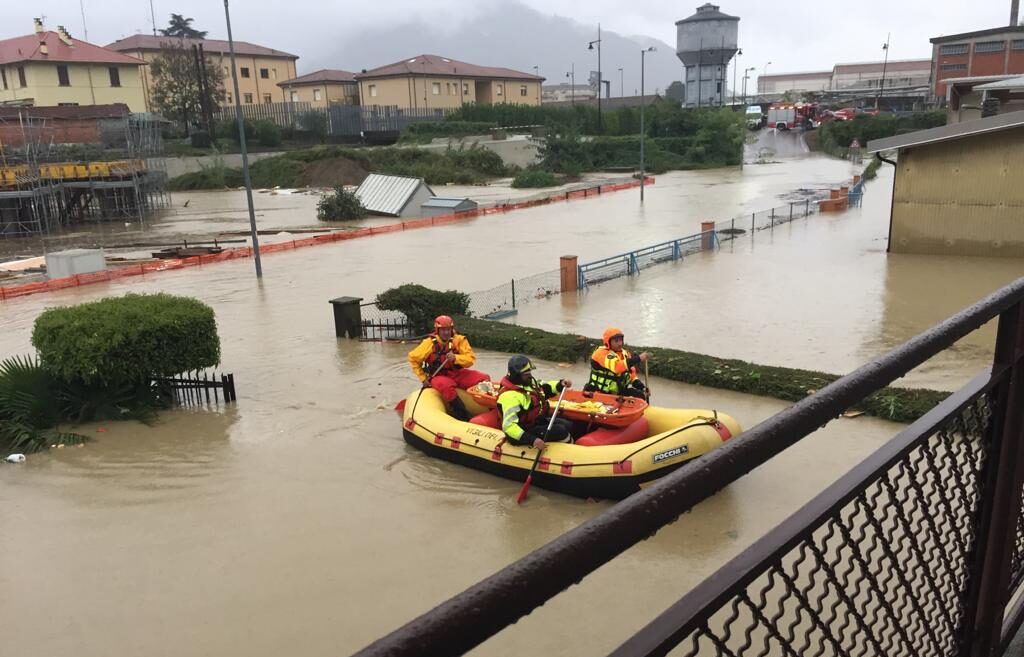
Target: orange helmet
(443,321)
(609,333)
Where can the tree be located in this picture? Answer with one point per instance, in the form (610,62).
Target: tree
(179,26)
(178,92)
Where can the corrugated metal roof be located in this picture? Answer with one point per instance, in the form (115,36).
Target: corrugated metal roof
(1013,84)
(441,202)
(383,194)
(948,132)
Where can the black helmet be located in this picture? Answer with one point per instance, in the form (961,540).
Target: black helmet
(519,368)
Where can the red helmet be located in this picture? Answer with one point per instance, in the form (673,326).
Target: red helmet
(443,321)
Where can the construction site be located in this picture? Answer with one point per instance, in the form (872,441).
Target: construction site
(63,166)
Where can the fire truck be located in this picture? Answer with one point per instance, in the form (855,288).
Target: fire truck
(789,116)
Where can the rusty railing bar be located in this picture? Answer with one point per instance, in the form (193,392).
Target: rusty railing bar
(690,611)
(484,609)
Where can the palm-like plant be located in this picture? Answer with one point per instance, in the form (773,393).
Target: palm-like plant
(30,407)
(179,26)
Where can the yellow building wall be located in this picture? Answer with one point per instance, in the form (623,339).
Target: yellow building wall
(962,197)
(89,85)
(329,93)
(431,91)
(278,70)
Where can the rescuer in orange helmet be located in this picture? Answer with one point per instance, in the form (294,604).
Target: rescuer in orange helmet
(442,361)
(613,369)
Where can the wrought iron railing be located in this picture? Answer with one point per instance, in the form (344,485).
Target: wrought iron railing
(916,551)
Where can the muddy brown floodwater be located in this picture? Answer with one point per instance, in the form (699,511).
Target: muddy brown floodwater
(297,521)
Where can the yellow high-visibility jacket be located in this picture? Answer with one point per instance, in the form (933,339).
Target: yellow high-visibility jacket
(426,357)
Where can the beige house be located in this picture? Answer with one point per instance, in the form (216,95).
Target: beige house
(52,68)
(259,68)
(957,189)
(322,88)
(431,81)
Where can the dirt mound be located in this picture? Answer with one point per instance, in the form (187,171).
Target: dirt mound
(333,172)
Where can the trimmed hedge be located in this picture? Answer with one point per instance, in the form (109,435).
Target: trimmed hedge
(789,384)
(421,304)
(127,339)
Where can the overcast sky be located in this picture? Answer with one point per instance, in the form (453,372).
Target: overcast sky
(792,36)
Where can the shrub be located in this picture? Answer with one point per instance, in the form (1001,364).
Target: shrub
(201,139)
(228,129)
(422,133)
(421,304)
(340,205)
(29,407)
(268,133)
(534,178)
(315,123)
(126,340)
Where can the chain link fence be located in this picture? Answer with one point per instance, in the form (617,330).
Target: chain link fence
(765,219)
(505,299)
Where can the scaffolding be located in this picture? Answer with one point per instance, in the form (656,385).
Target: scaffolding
(48,184)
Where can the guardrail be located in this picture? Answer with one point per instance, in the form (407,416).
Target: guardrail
(631,262)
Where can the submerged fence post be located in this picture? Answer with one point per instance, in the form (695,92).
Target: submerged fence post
(773,219)
(753,220)
(807,207)
(513,294)
(568,270)
(707,235)
(791,211)
(347,317)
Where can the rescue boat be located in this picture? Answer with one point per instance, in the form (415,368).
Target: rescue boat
(604,462)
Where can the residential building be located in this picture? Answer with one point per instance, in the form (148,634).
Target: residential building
(997,51)
(259,68)
(49,68)
(322,88)
(957,188)
(551,93)
(432,81)
(903,73)
(609,104)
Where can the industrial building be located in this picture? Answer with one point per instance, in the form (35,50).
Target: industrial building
(981,54)
(957,188)
(706,42)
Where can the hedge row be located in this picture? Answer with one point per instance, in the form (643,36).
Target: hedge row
(789,384)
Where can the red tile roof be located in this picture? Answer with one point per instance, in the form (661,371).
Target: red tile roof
(319,77)
(26,49)
(437,65)
(151,42)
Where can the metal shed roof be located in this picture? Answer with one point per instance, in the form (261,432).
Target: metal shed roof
(948,132)
(383,194)
(1012,84)
(443,202)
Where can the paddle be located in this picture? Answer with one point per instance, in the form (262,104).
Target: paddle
(400,406)
(529,478)
(647,383)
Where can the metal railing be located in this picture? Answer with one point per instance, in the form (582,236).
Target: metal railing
(285,115)
(631,262)
(917,550)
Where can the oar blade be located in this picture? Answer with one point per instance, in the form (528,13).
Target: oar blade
(524,490)
(400,407)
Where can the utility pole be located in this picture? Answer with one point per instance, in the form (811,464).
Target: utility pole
(885,63)
(572,83)
(152,16)
(735,66)
(642,130)
(590,46)
(622,84)
(245,153)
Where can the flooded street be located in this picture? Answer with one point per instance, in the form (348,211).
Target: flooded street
(297,521)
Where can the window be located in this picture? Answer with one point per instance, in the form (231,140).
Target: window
(264,74)
(465,88)
(227,71)
(1017,44)
(267,99)
(273,73)
(500,90)
(115,76)
(230,98)
(3,77)
(21,77)
(247,99)
(956,49)
(990,46)
(373,90)
(62,75)
(435,88)
(67,104)
(954,67)
(522,90)
(316,95)
(295,96)
(245,71)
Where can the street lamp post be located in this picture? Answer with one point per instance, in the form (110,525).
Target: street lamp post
(764,74)
(590,46)
(746,76)
(643,54)
(735,66)
(622,84)
(572,83)
(245,154)
(536,71)
(885,62)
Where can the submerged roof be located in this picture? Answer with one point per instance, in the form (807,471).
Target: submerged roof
(384,194)
(443,202)
(949,132)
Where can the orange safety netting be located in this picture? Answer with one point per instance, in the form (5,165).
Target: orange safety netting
(25,289)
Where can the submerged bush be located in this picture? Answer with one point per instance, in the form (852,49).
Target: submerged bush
(534,178)
(340,205)
(421,304)
(30,406)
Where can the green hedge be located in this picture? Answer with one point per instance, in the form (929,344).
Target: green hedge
(835,137)
(127,339)
(421,304)
(896,404)
(534,177)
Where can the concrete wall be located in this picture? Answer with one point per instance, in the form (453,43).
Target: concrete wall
(89,84)
(961,197)
(446,92)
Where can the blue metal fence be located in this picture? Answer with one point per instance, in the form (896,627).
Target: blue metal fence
(631,262)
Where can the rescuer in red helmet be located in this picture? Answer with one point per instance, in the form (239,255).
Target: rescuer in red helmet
(442,361)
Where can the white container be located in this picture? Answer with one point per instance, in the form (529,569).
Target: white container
(62,264)
(15,458)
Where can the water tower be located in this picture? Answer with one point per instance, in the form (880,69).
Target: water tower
(706,42)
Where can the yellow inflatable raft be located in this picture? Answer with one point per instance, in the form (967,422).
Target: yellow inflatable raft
(672,438)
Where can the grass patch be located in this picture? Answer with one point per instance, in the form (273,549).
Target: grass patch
(897,404)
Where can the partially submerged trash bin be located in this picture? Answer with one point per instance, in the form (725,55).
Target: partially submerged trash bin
(348,318)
